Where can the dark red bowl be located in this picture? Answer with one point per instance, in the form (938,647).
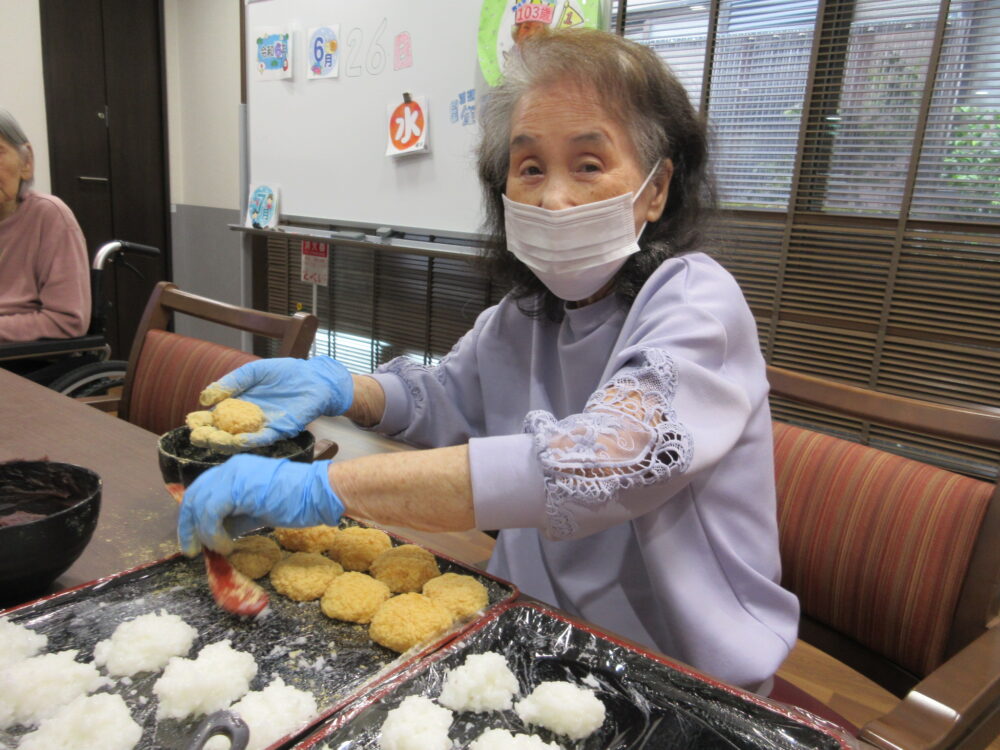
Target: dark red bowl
(48,513)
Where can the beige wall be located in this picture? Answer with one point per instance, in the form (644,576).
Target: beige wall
(22,90)
(203,101)
(203,95)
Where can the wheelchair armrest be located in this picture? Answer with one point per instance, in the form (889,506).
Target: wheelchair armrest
(49,347)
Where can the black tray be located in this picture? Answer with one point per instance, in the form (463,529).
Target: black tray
(651,702)
(333,660)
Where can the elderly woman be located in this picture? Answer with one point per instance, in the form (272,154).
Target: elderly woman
(610,415)
(44,278)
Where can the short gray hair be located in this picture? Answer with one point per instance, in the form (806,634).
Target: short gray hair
(11,132)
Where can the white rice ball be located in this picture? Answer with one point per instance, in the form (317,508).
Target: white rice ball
(416,724)
(18,642)
(483,683)
(501,739)
(35,688)
(96,722)
(144,644)
(564,708)
(217,677)
(270,714)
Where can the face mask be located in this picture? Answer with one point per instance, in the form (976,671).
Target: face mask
(574,251)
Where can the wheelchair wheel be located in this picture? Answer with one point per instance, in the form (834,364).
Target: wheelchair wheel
(95,379)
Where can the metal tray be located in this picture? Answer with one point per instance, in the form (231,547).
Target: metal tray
(651,702)
(335,661)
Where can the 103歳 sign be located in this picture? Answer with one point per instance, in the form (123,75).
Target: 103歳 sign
(315,262)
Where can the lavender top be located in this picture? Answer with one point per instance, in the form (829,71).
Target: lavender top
(627,456)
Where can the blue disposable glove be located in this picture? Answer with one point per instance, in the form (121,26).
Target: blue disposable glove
(271,491)
(291,393)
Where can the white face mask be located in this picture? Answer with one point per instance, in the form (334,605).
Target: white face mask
(574,251)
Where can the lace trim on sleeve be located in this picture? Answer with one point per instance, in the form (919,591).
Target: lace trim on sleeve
(410,373)
(627,435)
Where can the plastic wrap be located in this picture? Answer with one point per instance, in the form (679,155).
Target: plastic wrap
(331,659)
(650,703)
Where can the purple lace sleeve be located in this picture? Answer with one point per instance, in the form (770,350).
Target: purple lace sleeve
(626,436)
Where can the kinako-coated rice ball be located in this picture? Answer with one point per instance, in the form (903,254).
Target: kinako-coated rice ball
(355,547)
(236,416)
(254,556)
(461,595)
(308,539)
(304,576)
(406,620)
(354,597)
(406,568)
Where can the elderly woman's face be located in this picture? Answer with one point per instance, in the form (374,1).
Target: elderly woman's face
(13,169)
(565,150)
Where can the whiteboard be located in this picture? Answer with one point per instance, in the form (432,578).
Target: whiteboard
(322,142)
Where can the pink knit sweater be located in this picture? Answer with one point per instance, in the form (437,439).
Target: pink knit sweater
(44,277)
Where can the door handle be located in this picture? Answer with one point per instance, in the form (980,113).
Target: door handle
(84,178)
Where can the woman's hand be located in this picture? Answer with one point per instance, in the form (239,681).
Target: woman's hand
(291,392)
(273,492)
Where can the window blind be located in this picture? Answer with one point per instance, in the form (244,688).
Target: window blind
(380,304)
(857,149)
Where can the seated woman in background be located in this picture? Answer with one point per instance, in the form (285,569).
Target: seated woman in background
(44,276)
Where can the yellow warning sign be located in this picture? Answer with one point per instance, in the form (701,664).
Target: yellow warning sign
(570,17)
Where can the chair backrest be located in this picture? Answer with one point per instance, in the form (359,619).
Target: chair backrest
(896,562)
(167,371)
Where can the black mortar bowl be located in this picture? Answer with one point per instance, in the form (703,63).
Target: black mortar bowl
(181,462)
(48,513)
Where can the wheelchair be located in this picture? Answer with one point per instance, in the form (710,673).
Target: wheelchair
(81,366)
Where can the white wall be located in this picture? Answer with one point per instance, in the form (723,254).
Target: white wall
(203,101)
(203,95)
(22,89)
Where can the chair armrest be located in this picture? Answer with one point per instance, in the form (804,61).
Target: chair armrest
(104,403)
(956,706)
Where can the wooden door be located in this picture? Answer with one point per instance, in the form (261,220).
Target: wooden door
(103,69)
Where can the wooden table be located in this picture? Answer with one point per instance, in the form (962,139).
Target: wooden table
(138,520)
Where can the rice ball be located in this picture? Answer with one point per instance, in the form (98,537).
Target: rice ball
(416,724)
(355,547)
(43,685)
(354,597)
(501,739)
(462,595)
(564,708)
(308,539)
(270,714)
(144,644)
(483,683)
(405,568)
(96,722)
(210,682)
(236,416)
(304,576)
(254,556)
(406,620)
(18,642)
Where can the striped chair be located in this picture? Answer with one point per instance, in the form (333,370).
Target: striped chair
(896,562)
(167,370)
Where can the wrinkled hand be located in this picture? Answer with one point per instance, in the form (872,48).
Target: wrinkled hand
(271,491)
(291,392)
